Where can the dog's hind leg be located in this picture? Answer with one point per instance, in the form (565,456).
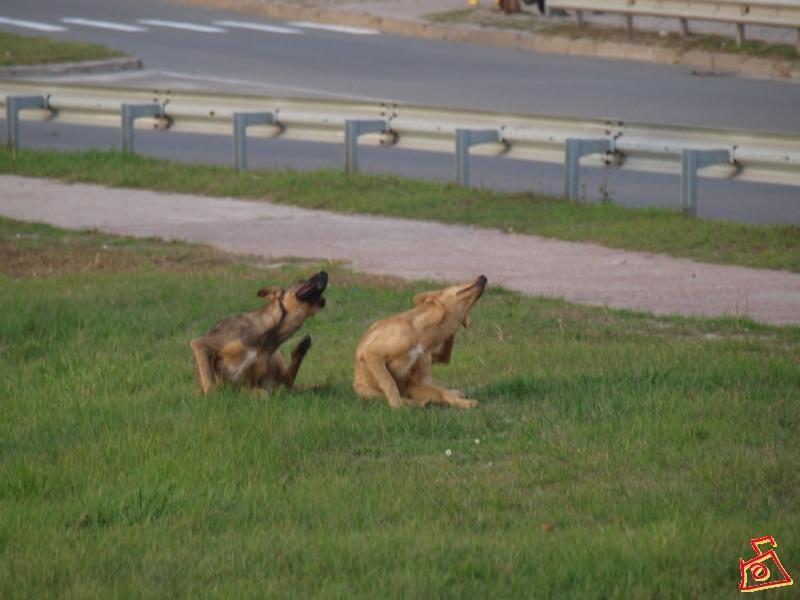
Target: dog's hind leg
(202,365)
(425,393)
(277,373)
(379,373)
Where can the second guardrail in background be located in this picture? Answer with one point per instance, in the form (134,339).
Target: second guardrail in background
(774,13)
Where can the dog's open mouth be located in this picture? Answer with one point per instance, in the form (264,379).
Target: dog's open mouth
(311,292)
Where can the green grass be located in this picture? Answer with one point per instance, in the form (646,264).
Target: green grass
(17,50)
(650,230)
(620,455)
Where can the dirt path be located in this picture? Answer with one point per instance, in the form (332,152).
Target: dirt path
(584,273)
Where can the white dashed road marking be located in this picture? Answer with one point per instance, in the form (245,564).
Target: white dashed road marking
(182,25)
(31,25)
(103,25)
(335,28)
(216,27)
(257,27)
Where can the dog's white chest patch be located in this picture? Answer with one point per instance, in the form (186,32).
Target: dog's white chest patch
(413,356)
(249,358)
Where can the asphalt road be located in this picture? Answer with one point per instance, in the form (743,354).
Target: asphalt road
(310,62)
(418,71)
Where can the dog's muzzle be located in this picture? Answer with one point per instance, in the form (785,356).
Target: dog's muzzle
(311,292)
(481,283)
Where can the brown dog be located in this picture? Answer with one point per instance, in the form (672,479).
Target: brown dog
(395,355)
(244,348)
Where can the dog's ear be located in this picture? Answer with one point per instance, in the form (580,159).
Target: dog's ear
(424,297)
(433,314)
(270,293)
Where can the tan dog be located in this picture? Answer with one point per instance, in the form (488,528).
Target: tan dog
(244,348)
(395,355)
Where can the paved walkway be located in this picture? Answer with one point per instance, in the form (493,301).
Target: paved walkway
(583,273)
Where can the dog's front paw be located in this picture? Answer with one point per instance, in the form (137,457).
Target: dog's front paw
(303,346)
(465,403)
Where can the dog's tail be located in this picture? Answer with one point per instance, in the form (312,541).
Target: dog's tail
(202,365)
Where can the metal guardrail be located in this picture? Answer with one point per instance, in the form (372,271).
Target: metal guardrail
(775,13)
(745,156)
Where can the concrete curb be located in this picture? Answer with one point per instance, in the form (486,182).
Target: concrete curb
(713,62)
(125,63)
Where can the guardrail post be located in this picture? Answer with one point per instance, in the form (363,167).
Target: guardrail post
(241,121)
(14,104)
(691,162)
(131,112)
(574,151)
(465,139)
(353,129)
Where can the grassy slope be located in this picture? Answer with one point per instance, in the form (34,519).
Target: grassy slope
(531,22)
(17,50)
(655,448)
(647,230)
